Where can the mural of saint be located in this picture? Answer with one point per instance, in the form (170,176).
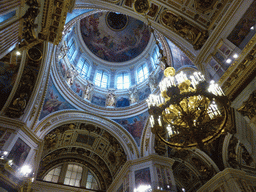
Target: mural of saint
(19,152)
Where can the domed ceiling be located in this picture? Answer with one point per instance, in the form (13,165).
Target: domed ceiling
(114,37)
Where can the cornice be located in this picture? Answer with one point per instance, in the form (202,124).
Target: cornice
(17,124)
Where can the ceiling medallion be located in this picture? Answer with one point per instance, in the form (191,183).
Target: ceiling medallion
(141,6)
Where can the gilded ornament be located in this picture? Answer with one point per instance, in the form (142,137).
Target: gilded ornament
(141,6)
(169,71)
(248,107)
(34,54)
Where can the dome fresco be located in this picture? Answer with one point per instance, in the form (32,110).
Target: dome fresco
(114,37)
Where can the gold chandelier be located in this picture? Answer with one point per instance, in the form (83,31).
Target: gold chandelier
(189,112)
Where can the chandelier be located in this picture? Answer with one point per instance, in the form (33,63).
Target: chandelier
(189,112)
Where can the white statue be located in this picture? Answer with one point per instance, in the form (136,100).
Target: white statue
(88,89)
(133,92)
(111,99)
(71,74)
(152,83)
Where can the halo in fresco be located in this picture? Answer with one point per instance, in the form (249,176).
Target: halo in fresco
(114,45)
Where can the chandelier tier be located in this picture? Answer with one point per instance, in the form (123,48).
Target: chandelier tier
(189,112)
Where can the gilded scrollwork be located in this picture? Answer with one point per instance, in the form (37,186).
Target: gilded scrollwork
(248,107)
(55,11)
(193,34)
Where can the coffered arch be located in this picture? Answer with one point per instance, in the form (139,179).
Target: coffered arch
(72,116)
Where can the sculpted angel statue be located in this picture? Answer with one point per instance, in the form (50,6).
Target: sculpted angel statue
(133,92)
(111,99)
(88,89)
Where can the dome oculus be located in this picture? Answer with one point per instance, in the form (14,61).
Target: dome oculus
(116,21)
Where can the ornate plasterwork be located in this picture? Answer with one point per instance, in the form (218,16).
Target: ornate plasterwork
(248,107)
(63,117)
(27,82)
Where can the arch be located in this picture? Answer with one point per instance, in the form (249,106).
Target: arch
(68,116)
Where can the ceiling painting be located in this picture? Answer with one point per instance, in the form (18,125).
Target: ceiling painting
(114,37)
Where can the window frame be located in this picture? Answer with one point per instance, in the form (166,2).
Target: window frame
(155,52)
(88,67)
(52,168)
(63,172)
(103,71)
(72,57)
(143,77)
(122,73)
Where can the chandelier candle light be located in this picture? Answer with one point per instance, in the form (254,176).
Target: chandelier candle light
(189,112)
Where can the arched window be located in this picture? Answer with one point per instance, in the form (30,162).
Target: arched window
(101,78)
(53,175)
(123,80)
(83,67)
(71,49)
(91,181)
(73,175)
(155,56)
(142,73)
